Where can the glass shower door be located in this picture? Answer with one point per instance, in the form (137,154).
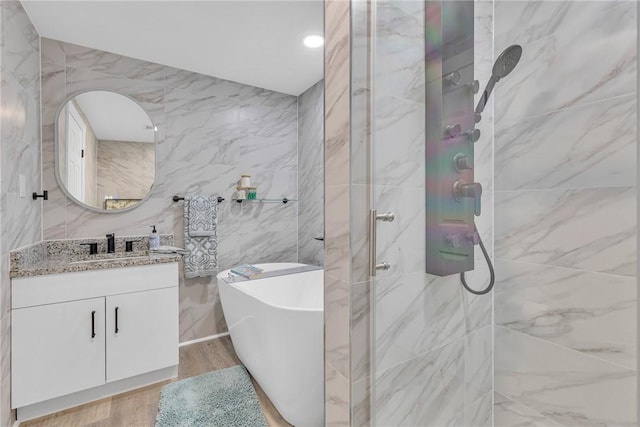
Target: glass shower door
(421,102)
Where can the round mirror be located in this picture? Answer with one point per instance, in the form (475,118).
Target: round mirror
(105,151)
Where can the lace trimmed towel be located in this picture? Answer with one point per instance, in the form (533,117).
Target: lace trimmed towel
(202,259)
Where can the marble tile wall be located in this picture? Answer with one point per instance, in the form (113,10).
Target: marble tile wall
(20,218)
(116,162)
(337,262)
(209,132)
(565,215)
(310,176)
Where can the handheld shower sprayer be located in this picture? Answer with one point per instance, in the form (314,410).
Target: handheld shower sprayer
(504,65)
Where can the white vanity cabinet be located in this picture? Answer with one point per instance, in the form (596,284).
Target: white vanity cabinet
(146,338)
(53,350)
(81,336)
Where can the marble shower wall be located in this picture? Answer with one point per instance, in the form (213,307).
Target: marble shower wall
(209,132)
(310,174)
(565,211)
(20,218)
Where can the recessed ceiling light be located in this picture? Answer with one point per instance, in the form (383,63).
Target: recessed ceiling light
(313,41)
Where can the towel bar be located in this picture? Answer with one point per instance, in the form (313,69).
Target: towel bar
(178,198)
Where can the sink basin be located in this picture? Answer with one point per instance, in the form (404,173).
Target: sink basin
(91,261)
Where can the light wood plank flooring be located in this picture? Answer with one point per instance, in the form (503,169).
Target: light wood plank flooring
(138,408)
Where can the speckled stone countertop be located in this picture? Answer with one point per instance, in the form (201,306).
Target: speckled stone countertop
(65,256)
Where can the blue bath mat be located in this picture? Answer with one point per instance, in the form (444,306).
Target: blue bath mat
(224,398)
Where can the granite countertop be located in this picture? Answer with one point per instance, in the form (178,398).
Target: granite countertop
(66,256)
(57,266)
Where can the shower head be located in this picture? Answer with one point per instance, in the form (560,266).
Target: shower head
(504,65)
(507,61)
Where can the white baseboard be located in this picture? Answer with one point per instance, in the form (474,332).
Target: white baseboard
(210,337)
(58,404)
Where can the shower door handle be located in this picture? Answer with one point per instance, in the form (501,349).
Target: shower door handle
(374,217)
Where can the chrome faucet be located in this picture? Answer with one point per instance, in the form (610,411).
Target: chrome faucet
(111,243)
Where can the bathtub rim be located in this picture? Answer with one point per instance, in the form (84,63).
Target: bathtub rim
(220,278)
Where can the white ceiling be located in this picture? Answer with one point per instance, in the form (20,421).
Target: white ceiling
(256,42)
(115,117)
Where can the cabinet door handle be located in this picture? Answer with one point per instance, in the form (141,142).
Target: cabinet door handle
(93,324)
(117,320)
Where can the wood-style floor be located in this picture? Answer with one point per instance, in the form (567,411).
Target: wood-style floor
(138,408)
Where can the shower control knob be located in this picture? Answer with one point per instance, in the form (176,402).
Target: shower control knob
(462,190)
(474,135)
(454,241)
(474,86)
(477,117)
(473,237)
(461,162)
(453,78)
(453,131)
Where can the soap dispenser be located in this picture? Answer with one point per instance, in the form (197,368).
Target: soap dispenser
(154,238)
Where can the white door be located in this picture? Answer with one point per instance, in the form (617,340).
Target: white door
(142,332)
(76,132)
(57,349)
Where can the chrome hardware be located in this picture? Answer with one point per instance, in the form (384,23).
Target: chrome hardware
(474,86)
(389,217)
(373,226)
(454,241)
(453,131)
(474,135)
(383,266)
(372,242)
(461,162)
(474,237)
(474,190)
(504,65)
(453,78)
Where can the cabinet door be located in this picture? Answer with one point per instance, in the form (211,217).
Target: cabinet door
(57,349)
(142,332)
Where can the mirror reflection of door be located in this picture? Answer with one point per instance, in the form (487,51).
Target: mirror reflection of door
(76,132)
(105,150)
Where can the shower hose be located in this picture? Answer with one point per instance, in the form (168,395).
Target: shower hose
(492,273)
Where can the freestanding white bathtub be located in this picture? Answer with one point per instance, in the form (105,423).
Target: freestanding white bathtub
(276,326)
